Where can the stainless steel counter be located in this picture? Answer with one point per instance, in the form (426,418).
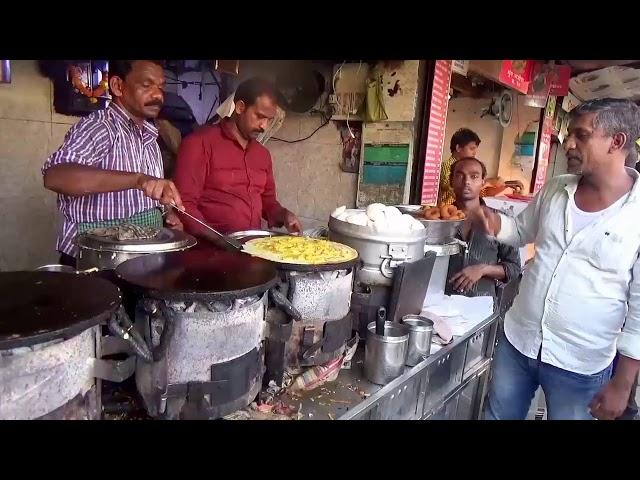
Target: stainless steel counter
(449,384)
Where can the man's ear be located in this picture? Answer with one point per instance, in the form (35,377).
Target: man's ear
(619,142)
(115,83)
(240,107)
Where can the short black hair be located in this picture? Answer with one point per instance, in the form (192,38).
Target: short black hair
(122,68)
(465,159)
(249,90)
(463,137)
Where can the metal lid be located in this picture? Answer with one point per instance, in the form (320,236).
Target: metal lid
(203,275)
(167,240)
(37,307)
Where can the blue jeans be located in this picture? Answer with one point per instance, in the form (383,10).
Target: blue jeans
(515,379)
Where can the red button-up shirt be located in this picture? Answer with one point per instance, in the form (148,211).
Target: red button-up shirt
(224,185)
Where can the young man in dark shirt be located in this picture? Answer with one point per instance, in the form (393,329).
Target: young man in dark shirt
(486,261)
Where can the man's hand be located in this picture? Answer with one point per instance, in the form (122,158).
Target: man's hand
(484,220)
(466,278)
(516,185)
(291,223)
(160,189)
(173,221)
(611,401)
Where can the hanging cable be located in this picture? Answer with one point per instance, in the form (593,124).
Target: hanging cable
(325,122)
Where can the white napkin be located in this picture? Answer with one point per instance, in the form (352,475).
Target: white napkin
(227,107)
(460,313)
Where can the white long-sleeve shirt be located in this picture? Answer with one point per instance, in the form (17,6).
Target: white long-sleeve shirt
(580,296)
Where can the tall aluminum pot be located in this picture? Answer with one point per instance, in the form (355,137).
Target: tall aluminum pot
(380,253)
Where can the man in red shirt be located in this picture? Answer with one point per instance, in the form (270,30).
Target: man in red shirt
(225,177)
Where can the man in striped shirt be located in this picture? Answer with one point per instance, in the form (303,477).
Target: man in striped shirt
(109,169)
(486,262)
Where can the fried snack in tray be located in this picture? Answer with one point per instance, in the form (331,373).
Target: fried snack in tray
(443,212)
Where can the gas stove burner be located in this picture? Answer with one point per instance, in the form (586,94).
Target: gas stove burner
(50,343)
(201,314)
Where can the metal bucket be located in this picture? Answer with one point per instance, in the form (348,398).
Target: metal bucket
(385,355)
(419,345)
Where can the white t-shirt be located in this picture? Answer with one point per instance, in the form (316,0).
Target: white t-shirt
(581,219)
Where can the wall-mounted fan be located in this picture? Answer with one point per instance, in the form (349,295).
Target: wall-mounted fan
(300,89)
(501,108)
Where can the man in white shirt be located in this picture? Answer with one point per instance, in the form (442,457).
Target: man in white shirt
(579,300)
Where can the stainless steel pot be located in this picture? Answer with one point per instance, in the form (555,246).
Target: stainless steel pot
(420,332)
(385,355)
(380,252)
(107,254)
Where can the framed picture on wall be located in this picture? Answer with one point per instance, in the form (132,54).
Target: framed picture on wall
(5,71)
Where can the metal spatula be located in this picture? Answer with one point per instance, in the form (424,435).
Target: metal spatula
(229,241)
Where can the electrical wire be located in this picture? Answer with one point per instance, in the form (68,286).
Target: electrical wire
(325,122)
(215,102)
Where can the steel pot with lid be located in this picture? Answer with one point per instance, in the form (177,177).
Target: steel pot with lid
(380,252)
(107,253)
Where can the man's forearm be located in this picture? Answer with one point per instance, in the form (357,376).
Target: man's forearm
(275,215)
(626,371)
(495,272)
(78,180)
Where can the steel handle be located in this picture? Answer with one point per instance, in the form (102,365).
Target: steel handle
(228,241)
(121,326)
(284,304)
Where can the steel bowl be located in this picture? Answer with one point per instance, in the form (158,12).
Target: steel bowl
(440,232)
(246,235)
(410,209)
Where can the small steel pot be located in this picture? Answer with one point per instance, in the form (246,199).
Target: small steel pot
(420,332)
(385,355)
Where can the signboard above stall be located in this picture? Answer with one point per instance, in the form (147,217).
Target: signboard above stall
(547,80)
(515,74)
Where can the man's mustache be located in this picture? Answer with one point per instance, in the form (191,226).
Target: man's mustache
(154,103)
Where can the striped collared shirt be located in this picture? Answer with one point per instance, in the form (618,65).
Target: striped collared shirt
(110,140)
